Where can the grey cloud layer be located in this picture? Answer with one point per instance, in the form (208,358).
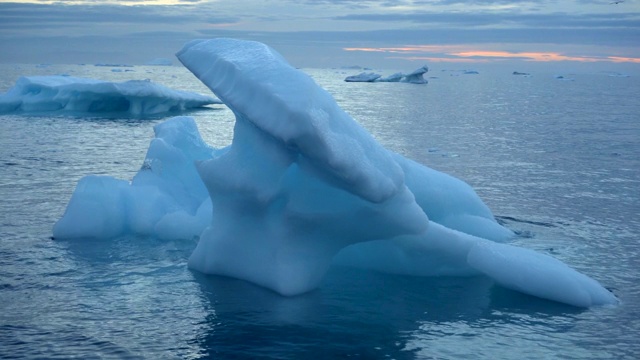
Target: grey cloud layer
(26,29)
(563,20)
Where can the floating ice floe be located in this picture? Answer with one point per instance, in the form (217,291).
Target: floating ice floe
(416,77)
(521,74)
(563,78)
(363,77)
(112,65)
(301,187)
(75,96)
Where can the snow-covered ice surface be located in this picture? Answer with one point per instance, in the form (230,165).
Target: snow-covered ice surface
(301,182)
(74,96)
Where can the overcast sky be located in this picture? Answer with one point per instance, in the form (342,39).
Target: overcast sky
(329,33)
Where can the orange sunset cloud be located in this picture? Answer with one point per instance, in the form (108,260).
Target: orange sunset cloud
(460,53)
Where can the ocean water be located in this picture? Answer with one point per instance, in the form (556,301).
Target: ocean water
(557,161)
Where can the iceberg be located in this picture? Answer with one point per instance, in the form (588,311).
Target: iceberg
(302,187)
(363,77)
(562,78)
(69,95)
(416,77)
(160,62)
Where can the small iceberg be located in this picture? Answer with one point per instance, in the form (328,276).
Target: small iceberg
(563,78)
(363,77)
(112,65)
(617,74)
(416,77)
(67,95)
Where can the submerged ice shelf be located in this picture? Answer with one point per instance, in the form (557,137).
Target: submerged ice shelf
(303,186)
(89,97)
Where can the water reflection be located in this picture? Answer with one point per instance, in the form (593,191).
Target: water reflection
(358,313)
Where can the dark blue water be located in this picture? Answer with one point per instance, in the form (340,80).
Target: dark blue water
(557,161)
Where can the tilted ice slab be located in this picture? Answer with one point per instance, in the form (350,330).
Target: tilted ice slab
(82,96)
(302,182)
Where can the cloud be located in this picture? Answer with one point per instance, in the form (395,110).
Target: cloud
(469,53)
(504,19)
(71,15)
(315,29)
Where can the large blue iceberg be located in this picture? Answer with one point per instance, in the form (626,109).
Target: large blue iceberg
(70,95)
(301,187)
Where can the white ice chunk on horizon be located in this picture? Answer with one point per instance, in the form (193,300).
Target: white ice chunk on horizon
(415,77)
(68,95)
(304,186)
(363,77)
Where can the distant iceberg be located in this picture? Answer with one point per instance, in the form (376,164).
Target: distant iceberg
(301,187)
(112,65)
(69,95)
(363,77)
(617,74)
(416,77)
(563,78)
(392,78)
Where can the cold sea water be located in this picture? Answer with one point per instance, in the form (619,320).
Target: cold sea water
(558,162)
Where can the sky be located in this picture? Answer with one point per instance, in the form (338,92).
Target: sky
(398,34)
